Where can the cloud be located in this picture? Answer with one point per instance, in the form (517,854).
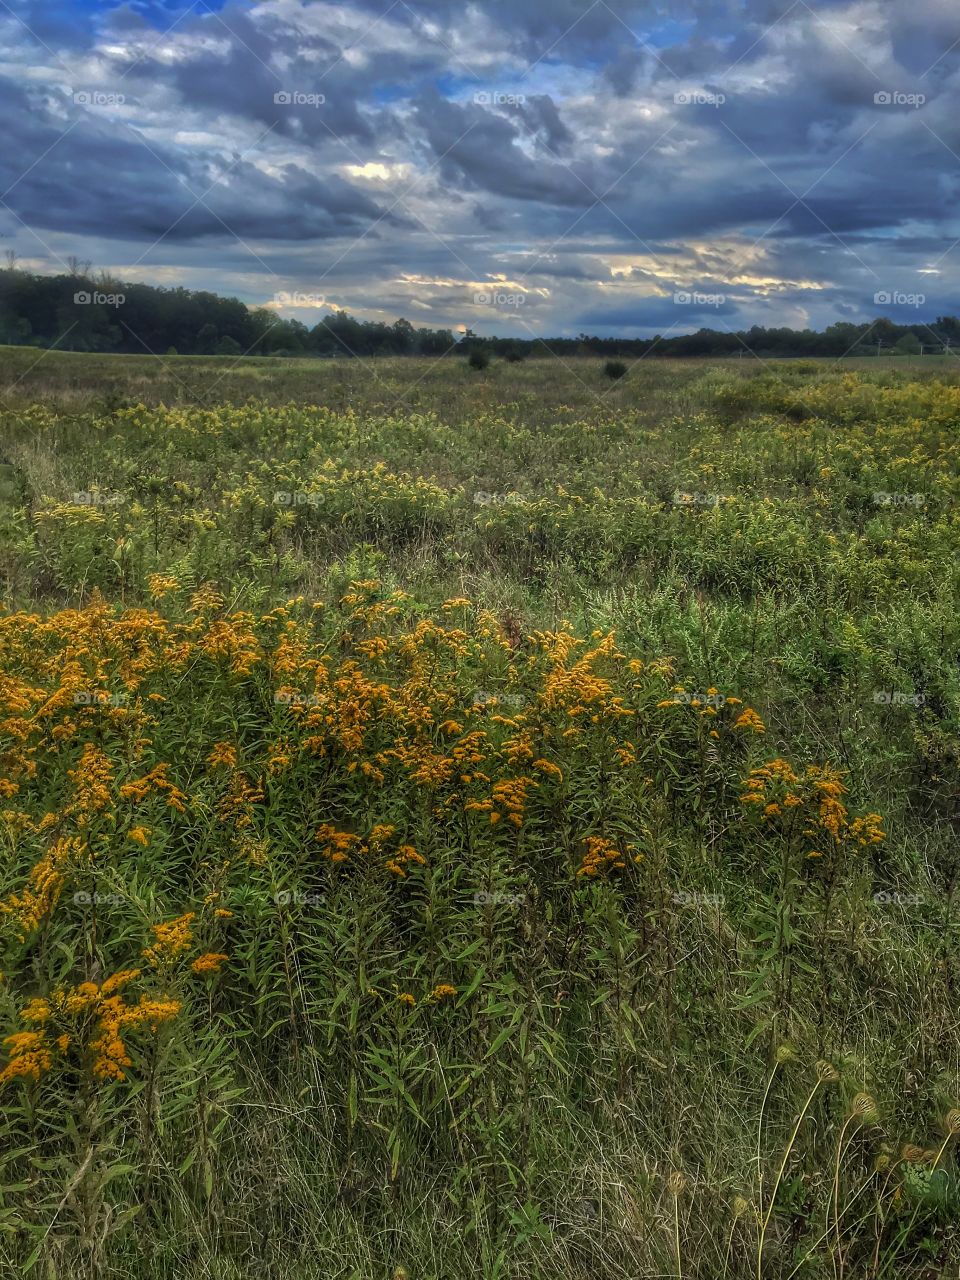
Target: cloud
(611,154)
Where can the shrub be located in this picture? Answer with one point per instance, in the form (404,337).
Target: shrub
(615,369)
(478,359)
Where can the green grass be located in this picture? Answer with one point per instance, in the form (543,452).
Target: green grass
(616,1087)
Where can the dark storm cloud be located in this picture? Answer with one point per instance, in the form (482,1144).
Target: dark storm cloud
(550,137)
(541,118)
(105,177)
(237,66)
(482,147)
(660,314)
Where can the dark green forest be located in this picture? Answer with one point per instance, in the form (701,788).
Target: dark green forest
(77,312)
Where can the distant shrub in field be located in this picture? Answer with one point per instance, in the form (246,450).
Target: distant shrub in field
(514,355)
(615,369)
(478,359)
(909,345)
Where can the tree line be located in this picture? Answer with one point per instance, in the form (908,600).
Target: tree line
(80,311)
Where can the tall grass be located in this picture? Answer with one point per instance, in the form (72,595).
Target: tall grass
(511,833)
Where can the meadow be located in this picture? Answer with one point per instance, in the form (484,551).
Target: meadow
(498,824)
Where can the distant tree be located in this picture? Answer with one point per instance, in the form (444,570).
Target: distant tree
(435,342)
(478,359)
(207,339)
(43,311)
(403,338)
(908,345)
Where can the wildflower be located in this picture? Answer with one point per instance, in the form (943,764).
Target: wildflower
(160,585)
(406,998)
(111,1056)
(337,845)
(29,1056)
(141,835)
(600,854)
(38,1010)
(172,939)
(748,719)
(29,908)
(91,780)
(223,753)
(209,963)
(118,981)
(80,999)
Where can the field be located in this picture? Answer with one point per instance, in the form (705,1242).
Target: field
(496,824)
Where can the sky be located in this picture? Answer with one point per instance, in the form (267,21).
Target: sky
(518,167)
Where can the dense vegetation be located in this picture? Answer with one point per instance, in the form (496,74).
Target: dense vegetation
(77,312)
(479,822)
